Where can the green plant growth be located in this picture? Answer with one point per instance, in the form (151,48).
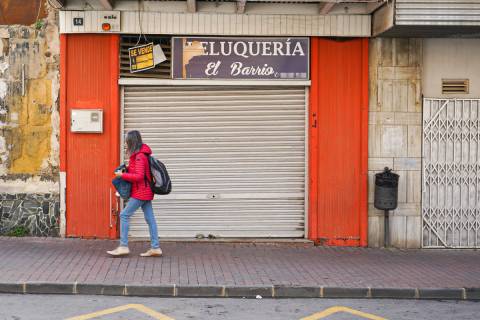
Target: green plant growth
(39,24)
(19,231)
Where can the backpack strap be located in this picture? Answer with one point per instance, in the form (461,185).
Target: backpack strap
(147,167)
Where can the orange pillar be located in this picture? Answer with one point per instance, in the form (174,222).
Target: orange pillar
(89,70)
(338,142)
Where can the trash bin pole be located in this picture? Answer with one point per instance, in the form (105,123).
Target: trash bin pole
(386,233)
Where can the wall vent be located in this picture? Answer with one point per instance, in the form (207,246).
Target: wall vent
(454,86)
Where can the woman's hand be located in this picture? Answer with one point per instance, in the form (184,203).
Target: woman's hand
(118,174)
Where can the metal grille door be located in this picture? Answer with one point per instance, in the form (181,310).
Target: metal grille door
(236,156)
(451,173)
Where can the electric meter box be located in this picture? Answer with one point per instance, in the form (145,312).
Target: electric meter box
(86,120)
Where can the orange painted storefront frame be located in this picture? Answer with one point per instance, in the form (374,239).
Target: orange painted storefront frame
(338,155)
(76,83)
(324,55)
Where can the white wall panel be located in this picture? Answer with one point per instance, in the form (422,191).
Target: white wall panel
(225,24)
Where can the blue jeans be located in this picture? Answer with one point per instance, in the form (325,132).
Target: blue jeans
(132,206)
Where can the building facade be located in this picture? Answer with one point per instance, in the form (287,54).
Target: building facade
(29,119)
(272,119)
(427,104)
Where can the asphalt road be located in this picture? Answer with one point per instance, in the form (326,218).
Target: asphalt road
(50,307)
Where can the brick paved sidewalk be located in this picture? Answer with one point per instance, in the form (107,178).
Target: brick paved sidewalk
(85,261)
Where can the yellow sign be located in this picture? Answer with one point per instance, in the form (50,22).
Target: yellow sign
(327,312)
(141,57)
(139,307)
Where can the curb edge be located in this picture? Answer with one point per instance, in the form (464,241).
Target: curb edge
(229,291)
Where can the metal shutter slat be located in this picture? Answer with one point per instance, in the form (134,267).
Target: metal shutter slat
(245,145)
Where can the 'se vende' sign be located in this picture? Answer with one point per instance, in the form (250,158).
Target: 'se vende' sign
(241,58)
(141,57)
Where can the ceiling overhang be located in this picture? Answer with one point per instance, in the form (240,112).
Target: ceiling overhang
(107,4)
(310,7)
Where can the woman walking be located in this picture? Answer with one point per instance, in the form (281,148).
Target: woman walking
(138,172)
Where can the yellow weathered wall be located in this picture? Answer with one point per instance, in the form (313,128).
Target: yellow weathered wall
(31,139)
(29,123)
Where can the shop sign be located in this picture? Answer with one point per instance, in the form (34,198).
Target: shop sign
(240,58)
(145,57)
(141,57)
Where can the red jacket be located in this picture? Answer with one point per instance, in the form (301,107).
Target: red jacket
(137,167)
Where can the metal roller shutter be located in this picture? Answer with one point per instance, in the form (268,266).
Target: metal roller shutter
(236,156)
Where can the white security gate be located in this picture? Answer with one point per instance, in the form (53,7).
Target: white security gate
(451,173)
(236,156)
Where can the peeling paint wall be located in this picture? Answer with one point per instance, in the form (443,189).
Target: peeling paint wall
(395,136)
(29,114)
(29,84)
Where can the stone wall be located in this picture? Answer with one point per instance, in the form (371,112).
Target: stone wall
(39,214)
(395,135)
(29,124)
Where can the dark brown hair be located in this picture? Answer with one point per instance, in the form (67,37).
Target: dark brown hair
(134,141)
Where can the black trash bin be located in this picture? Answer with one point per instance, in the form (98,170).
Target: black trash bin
(386,196)
(386,190)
